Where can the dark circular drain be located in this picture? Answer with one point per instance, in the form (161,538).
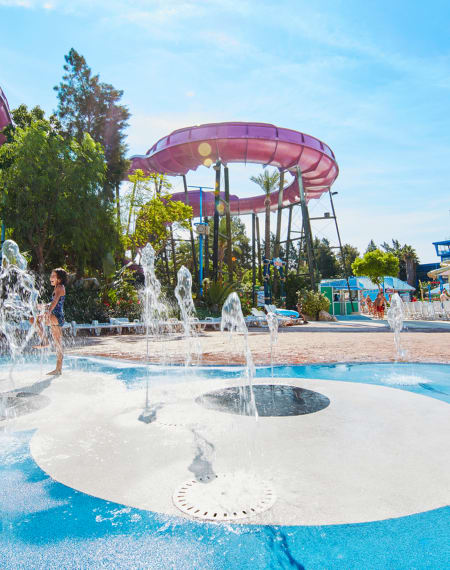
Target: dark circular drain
(270,399)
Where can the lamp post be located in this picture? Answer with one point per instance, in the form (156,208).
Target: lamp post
(202,226)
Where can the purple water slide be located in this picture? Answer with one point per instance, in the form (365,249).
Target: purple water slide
(5,116)
(187,149)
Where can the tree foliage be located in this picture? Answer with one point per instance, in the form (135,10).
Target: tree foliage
(155,218)
(326,261)
(371,246)
(48,186)
(312,303)
(407,258)
(376,265)
(240,244)
(144,186)
(350,253)
(87,105)
(267,181)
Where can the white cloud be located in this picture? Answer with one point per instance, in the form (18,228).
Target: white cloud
(17,3)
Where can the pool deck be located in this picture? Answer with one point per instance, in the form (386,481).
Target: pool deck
(344,341)
(90,475)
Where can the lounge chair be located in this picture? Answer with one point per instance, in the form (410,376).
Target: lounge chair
(260,318)
(120,323)
(283,320)
(213,322)
(94,327)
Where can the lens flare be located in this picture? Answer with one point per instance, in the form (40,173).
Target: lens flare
(204,149)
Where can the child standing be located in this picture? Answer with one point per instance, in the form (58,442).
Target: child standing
(54,317)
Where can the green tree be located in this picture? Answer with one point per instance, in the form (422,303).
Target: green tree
(51,182)
(372,246)
(376,265)
(269,182)
(240,244)
(410,259)
(345,263)
(86,105)
(144,186)
(155,219)
(326,261)
(407,257)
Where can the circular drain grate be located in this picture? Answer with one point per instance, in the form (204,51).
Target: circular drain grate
(272,400)
(169,424)
(224,496)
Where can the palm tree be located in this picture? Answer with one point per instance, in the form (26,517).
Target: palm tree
(269,182)
(409,256)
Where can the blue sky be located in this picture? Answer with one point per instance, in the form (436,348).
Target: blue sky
(371,79)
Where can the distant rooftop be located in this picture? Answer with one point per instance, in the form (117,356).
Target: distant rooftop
(365,284)
(442,249)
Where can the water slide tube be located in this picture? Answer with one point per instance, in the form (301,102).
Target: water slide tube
(5,116)
(260,143)
(443,270)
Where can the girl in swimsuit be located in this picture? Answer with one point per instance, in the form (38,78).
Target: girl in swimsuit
(54,318)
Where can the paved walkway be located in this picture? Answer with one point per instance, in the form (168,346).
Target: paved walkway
(315,342)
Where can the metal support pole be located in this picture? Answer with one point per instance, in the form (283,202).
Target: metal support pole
(344,262)
(300,249)
(307,229)
(216,222)
(200,249)
(253,260)
(194,253)
(267,291)
(206,268)
(174,257)
(166,263)
(288,239)
(276,249)
(228,222)
(258,243)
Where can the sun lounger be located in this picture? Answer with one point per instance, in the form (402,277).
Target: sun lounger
(213,322)
(260,317)
(120,323)
(94,327)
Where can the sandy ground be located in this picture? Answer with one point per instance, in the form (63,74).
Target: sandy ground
(314,342)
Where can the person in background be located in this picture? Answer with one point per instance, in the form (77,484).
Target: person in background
(369,304)
(444,296)
(379,304)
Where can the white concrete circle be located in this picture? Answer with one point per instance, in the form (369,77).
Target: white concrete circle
(224,496)
(375,452)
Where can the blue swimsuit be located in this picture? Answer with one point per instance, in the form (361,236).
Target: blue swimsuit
(58,311)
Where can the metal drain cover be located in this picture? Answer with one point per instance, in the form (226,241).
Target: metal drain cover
(272,400)
(224,496)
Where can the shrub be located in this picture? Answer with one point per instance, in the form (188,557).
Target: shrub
(121,297)
(215,294)
(84,306)
(312,303)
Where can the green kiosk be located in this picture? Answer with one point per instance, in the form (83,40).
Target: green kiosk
(342,301)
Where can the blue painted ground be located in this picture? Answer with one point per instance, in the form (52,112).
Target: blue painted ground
(47,525)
